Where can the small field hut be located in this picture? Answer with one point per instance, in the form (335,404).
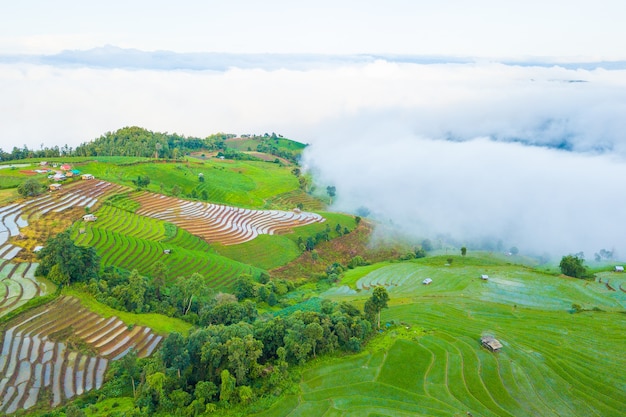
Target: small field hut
(427,281)
(619,268)
(484,277)
(491,343)
(89,218)
(55,187)
(87,177)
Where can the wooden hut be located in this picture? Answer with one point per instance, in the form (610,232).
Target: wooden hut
(491,343)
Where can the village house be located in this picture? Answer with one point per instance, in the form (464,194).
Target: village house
(55,187)
(87,177)
(619,268)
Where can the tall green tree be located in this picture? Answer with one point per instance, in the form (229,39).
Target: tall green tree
(331,190)
(377,302)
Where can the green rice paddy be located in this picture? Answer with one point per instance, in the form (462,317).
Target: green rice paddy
(130,241)
(430,362)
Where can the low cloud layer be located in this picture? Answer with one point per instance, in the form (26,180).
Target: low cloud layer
(534,155)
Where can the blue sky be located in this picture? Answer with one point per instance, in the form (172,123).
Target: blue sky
(505,141)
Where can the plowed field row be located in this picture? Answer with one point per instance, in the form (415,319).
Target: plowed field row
(34,360)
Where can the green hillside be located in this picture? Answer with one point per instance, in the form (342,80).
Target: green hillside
(260,302)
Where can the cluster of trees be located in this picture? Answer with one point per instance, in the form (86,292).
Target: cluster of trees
(137,141)
(574,266)
(325,235)
(189,298)
(43,152)
(62,262)
(220,365)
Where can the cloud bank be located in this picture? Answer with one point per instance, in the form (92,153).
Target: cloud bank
(532,154)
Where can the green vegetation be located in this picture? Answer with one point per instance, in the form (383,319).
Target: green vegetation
(549,365)
(310,321)
(157,322)
(125,240)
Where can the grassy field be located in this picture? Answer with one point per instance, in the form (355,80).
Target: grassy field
(240,183)
(430,362)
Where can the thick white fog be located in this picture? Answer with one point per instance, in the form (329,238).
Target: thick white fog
(532,155)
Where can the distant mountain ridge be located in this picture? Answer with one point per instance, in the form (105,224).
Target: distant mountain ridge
(115,57)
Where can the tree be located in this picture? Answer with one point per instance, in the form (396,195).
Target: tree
(514,250)
(159,276)
(463,251)
(331,191)
(377,302)
(142,181)
(227,387)
(244,287)
(174,352)
(129,365)
(427,245)
(29,188)
(573,266)
(313,333)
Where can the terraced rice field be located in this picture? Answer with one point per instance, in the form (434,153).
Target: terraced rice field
(553,363)
(130,241)
(14,217)
(222,224)
(293,198)
(510,284)
(37,362)
(18,285)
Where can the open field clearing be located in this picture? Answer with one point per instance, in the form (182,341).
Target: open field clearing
(61,350)
(222,224)
(553,362)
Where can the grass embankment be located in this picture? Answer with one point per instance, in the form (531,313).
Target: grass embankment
(157,322)
(553,363)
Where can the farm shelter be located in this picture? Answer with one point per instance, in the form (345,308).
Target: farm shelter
(619,268)
(491,343)
(484,277)
(87,177)
(89,218)
(55,187)
(427,281)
